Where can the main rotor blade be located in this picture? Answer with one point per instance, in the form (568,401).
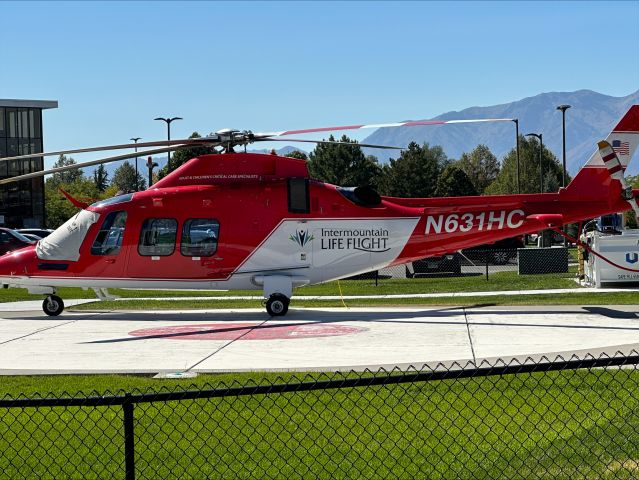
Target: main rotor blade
(126,156)
(380,125)
(336,142)
(158,143)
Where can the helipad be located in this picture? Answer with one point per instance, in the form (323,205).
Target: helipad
(306,339)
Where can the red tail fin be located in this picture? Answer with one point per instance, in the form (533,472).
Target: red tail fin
(593,179)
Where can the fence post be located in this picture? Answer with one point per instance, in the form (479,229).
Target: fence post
(376,277)
(129,439)
(486,258)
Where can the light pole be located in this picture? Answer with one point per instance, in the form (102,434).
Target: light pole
(135,139)
(516,120)
(150,164)
(563,109)
(168,133)
(541,149)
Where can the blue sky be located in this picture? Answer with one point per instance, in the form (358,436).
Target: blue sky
(115,66)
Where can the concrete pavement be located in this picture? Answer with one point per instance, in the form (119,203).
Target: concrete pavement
(306,339)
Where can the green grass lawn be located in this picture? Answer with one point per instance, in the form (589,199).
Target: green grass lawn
(498,281)
(630,298)
(426,284)
(559,425)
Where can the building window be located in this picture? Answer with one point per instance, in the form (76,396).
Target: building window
(199,237)
(21,204)
(157,237)
(3,128)
(109,238)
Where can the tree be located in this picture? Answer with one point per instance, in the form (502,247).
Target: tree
(68,176)
(183,155)
(414,173)
(343,164)
(124,178)
(101,178)
(453,182)
(297,154)
(506,181)
(481,167)
(629,218)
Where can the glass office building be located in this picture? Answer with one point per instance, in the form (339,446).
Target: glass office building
(22,203)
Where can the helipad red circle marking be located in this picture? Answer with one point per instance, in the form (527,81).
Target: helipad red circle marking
(246,331)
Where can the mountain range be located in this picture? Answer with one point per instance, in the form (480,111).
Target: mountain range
(591,117)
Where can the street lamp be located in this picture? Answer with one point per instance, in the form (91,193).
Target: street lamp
(563,109)
(168,133)
(516,120)
(135,139)
(150,164)
(541,149)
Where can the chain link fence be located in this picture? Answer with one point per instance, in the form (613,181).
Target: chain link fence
(482,263)
(559,419)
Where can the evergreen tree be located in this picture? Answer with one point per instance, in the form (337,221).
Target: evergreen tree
(343,164)
(453,182)
(124,178)
(481,167)
(101,178)
(69,176)
(414,173)
(297,154)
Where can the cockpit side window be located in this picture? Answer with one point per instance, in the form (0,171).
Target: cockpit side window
(109,238)
(199,237)
(157,237)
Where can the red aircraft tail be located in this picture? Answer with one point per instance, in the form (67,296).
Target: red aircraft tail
(594,179)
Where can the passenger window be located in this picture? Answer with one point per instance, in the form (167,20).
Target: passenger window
(157,237)
(199,237)
(298,195)
(109,238)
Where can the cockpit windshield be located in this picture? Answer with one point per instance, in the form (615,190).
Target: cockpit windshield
(65,242)
(113,200)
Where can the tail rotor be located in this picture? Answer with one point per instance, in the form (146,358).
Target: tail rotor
(616,171)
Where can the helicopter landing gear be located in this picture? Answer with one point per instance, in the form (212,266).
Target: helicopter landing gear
(278,290)
(53,305)
(277,305)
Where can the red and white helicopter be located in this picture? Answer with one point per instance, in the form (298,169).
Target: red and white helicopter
(254,221)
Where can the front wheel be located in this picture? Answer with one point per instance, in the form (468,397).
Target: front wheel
(53,305)
(277,305)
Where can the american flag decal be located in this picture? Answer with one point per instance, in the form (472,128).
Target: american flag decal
(621,148)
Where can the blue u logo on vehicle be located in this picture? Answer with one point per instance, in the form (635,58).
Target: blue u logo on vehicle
(632,257)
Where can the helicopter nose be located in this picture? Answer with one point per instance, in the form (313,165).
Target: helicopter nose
(17,262)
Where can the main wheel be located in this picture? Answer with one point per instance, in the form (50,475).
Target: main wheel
(277,305)
(53,305)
